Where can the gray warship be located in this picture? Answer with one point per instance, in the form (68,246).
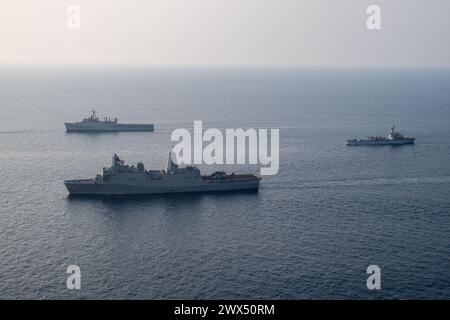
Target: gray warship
(392,138)
(122,179)
(94,124)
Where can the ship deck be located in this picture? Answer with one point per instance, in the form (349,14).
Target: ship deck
(234,177)
(80,181)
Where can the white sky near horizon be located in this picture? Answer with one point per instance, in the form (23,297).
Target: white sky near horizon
(226,32)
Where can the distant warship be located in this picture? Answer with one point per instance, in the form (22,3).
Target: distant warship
(94,124)
(121,179)
(392,138)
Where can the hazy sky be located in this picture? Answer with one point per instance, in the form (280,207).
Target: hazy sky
(223,32)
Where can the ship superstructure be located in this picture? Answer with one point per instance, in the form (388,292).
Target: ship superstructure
(122,179)
(392,138)
(94,124)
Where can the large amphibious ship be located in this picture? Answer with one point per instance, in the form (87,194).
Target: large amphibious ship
(94,124)
(121,179)
(392,138)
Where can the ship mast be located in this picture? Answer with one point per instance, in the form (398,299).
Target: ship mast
(171,167)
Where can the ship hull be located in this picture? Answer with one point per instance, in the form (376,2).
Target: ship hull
(355,142)
(106,127)
(92,187)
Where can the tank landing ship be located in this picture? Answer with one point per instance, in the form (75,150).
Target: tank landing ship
(393,138)
(121,179)
(94,124)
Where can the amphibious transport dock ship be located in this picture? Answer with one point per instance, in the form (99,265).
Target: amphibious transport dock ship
(392,138)
(94,124)
(121,179)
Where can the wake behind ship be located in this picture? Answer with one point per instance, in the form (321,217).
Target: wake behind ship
(121,179)
(94,124)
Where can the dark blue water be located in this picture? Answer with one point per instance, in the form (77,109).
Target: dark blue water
(310,232)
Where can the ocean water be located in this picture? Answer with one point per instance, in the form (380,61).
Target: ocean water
(310,231)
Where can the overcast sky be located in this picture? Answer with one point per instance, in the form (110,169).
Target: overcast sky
(224,32)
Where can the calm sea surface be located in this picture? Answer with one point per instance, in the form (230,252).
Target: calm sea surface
(311,230)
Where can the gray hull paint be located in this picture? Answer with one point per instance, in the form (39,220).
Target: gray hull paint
(121,179)
(106,127)
(90,187)
(380,143)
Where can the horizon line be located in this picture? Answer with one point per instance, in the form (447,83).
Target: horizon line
(223,66)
